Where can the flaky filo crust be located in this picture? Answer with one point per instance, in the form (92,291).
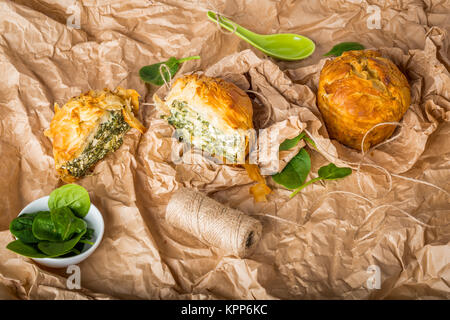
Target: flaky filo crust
(222,103)
(74,122)
(225,106)
(358,90)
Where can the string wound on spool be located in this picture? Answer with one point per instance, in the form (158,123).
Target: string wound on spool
(213,223)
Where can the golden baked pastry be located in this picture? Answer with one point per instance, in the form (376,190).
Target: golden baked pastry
(90,126)
(215,116)
(359,90)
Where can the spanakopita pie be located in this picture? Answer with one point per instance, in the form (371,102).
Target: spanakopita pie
(215,116)
(88,127)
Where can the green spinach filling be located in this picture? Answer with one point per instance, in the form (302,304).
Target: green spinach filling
(193,129)
(108,138)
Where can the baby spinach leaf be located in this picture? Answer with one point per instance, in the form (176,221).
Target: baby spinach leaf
(328,172)
(79,246)
(89,234)
(20,227)
(55,232)
(66,223)
(86,242)
(293,176)
(87,237)
(331,172)
(73,196)
(295,172)
(75,251)
(43,227)
(26,250)
(58,248)
(338,49)
(152,73)
(290,143)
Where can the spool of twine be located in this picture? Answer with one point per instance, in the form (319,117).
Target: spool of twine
(213,223)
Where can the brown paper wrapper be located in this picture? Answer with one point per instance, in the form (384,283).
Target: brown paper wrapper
(328,252)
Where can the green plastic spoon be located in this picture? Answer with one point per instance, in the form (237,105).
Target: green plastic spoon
(284,46)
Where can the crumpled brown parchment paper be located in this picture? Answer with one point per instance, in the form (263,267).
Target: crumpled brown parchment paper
(327,252)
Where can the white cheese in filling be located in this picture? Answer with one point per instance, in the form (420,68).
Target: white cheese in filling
(193,129)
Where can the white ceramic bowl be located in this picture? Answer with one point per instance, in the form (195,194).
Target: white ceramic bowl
(93,219)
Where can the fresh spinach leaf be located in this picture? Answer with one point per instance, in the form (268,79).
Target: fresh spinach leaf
(79,246)
(86,242)
(55,232)
(20,227)
(331,172)
(58,248)
(293,176)
(26,250)
(338,49)
(295,172)
(290,143)
(66,223)
(75,251)
(89,234)
(43,227)
(328,172)
(73,196)
(87,237)
(152,73)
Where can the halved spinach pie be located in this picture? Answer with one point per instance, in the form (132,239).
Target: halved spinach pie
(88,127)
(215,116)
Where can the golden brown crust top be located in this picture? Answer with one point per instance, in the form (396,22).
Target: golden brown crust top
(218,101)
(359,90)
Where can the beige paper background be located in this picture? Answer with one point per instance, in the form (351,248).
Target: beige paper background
(43,61)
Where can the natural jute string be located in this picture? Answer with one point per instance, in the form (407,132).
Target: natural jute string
(213,223)
(163,76)
(389,175)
